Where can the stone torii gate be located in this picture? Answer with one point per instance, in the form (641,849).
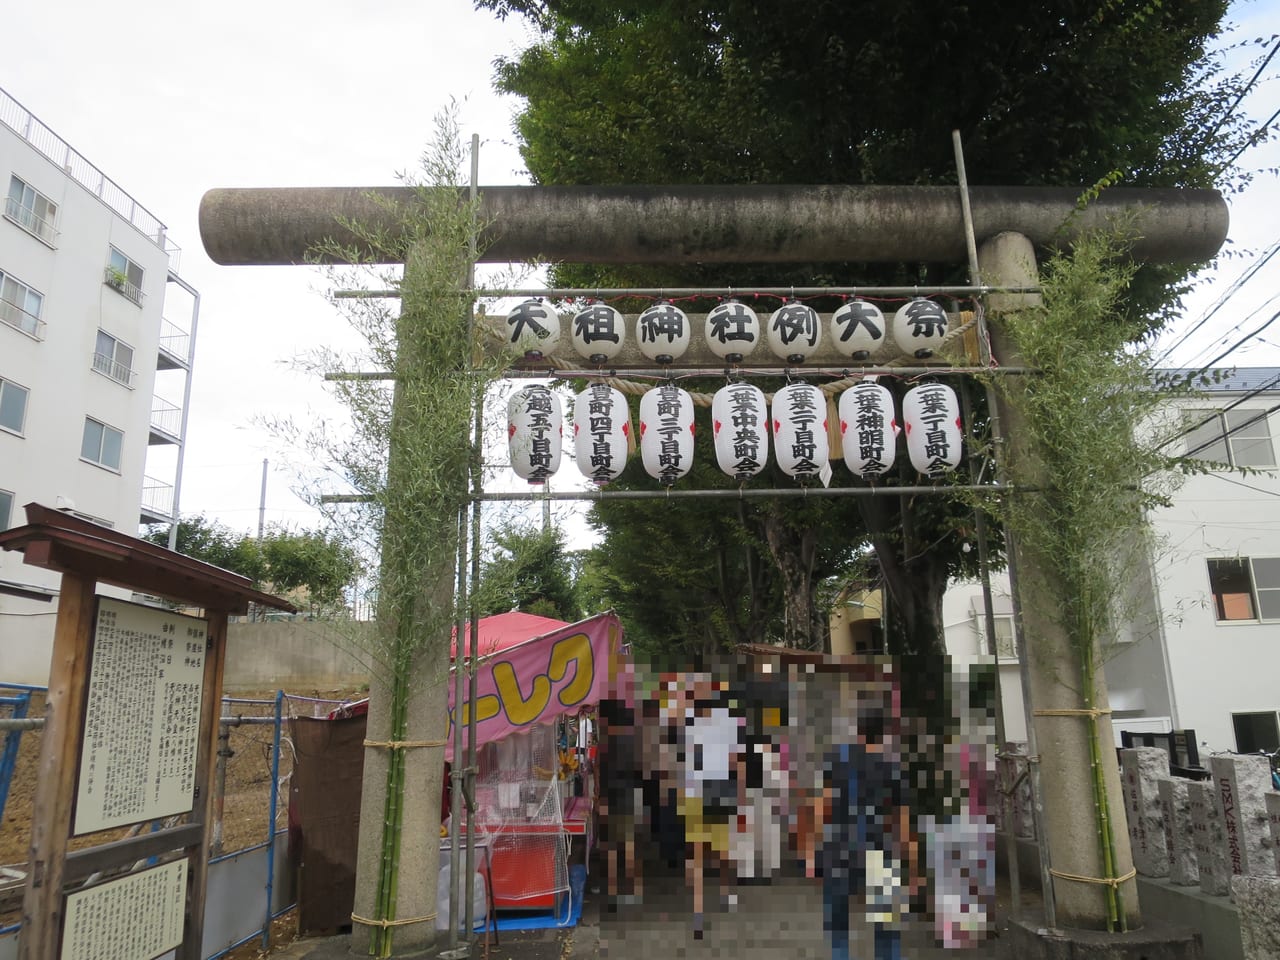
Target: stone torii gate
(779,224)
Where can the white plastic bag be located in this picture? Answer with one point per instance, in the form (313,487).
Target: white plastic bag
(442,899)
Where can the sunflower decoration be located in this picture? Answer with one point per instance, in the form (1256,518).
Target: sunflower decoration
(568,764)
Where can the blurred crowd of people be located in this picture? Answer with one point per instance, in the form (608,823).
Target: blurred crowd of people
(756,768)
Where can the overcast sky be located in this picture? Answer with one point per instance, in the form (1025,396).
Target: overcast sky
(172,99)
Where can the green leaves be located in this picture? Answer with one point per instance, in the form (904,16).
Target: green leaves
(311,567)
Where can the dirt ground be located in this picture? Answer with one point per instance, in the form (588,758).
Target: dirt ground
(246,802)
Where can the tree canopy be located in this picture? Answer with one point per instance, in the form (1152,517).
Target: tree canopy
(868,91)
(318,565)
(530,571)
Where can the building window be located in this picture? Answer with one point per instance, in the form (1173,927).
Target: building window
(31,210)
(6,509)
(101,444)
(1240,437)
(1005,647)
(124,276)
(1256,732)
(1245,588)
(13,406)
(113,358)
(20,306)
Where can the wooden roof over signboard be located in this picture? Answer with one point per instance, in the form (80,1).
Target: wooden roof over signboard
(58,541)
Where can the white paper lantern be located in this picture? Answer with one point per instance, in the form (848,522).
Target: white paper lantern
(666,433)
(663,332)
(868,429)
(599,332)
(601,424)
(732,331)
(795,332)
(533,328)
(931,414)
(740,421)
(858,330)
(800,430)
(919,327)
(533,432)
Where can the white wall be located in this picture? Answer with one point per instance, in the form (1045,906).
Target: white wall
(1174,662)
(962,615)
(1218,668)
(44,465)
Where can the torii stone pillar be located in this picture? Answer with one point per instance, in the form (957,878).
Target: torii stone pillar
(1070,822)
(753,224)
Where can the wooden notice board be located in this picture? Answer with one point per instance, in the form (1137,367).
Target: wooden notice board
(130,737)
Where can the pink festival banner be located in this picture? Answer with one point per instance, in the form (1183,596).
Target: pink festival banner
(538,680)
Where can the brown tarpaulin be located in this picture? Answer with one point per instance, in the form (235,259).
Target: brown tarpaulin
(324,819)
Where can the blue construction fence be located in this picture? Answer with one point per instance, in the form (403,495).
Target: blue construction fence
(248,888)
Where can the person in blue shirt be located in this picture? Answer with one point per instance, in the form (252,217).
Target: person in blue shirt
(868,848)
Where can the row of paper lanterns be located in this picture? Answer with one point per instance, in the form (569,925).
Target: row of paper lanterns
(733,330)
(743,423)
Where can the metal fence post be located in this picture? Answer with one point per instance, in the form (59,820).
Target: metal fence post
(271,824)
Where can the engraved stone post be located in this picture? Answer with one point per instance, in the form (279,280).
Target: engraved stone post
(1273,816)
(1179,832)
(1242,782)
(1210,840)
(1142,769)
(1258,899)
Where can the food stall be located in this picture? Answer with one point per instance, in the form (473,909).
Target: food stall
(537,684)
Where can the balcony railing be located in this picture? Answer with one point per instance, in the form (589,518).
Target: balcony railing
(16,317)
(166,417)
(29,221)
(174,341)
(157,499)
(28,126)
(116,282)
(113,368)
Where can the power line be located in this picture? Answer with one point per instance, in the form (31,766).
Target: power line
(1245,338)
(1228,433)
(1251,141)
(1186,431)
(1243,92)
(1226,295)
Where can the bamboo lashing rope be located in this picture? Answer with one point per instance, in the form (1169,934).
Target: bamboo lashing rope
(404,744)
(356,918)
(1105,881)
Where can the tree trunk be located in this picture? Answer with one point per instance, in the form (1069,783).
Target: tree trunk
(793,553)
(914,580)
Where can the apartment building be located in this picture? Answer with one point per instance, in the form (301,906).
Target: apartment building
(1203,650)
(97,333)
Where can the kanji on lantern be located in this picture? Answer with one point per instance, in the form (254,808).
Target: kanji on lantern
(919,327)
(663,332)
(740,421)
(666,433)
(800,430)
(533,432)
(931,415)
(533,328)
(732,331)
(601,424)
(599,332)
(858,330)
(794,332)
(868,430)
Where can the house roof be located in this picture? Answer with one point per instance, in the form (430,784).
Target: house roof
(1239,379)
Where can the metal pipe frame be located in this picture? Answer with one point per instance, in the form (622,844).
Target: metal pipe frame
(781,293)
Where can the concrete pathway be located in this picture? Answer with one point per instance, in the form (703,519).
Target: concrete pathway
(781,920)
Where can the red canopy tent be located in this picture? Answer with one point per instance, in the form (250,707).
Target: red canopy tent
(501,631)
